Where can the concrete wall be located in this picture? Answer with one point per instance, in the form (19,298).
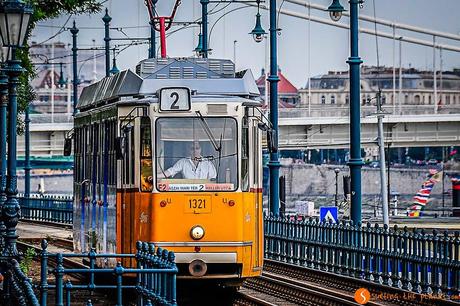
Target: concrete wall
(308,179)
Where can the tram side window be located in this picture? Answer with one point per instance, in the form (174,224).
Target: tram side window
(112,154)
(77,153)
(128,161)
(146,155)
(87,149)
(245,156)
(256,156)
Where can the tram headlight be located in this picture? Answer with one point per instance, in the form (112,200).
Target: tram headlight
(197,232)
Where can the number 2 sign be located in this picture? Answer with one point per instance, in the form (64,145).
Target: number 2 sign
(175,99)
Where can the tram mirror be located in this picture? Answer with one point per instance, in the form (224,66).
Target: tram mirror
(263,126)
(119,147)
(272,141)
(67,146)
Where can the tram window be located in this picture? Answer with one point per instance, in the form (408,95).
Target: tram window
(128,157)
(196,154)
(245,156)
(146,155)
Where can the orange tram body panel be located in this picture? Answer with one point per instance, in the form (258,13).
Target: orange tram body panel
(172,155)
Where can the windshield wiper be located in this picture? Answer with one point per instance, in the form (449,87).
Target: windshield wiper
(207,130)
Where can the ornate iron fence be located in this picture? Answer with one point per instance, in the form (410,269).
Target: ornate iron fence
(413,260)
(16,286)
(155,275)
(50,208)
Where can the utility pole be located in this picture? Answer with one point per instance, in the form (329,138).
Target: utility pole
(381,143)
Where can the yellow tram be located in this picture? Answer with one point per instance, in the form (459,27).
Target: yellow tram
(172,155)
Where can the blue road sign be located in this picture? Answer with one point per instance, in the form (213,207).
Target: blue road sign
(328,214)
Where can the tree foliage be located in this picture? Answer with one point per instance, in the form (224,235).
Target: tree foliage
(44,10)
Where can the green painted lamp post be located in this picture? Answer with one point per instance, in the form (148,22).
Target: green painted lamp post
(114,69)
(355,163)
(62,82)
(199,47)
(152,48)
(107,20)
(273,79)
(204,28)
(3,125)
(14,22)
(74,31)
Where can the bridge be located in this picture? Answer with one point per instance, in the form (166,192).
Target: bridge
(321,127)
(399,130)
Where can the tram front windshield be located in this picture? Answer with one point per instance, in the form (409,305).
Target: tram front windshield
(196,154)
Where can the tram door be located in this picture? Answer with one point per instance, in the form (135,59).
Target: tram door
(127,191)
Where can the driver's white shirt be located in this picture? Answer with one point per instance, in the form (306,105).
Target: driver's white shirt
(204,170)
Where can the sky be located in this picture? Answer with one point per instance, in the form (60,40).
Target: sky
(328,46)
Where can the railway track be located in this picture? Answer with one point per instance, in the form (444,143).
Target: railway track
(285,284)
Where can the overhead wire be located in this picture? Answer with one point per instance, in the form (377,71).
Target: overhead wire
(61,30)
(222,16)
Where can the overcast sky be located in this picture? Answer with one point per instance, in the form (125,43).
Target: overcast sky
(329,45)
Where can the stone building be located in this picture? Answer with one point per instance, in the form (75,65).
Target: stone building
(332,89)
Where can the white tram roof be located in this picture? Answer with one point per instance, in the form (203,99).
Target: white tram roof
(202,76)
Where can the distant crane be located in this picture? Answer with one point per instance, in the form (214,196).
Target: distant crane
(161,24)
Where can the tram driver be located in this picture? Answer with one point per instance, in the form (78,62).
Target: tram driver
(194,167)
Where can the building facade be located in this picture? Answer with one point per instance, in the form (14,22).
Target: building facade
(332,90)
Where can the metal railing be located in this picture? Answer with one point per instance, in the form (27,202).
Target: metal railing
(155,274)
(48,208)
(325,110)
(17,286)
(427,263)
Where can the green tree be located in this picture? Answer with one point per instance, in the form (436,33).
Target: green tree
(43,10)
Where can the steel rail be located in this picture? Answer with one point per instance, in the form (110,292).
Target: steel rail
(331,281)
(246,299)
(298,292)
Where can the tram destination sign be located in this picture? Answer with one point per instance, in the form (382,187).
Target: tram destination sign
(174,99)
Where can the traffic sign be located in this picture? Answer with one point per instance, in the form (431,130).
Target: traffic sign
(328,214)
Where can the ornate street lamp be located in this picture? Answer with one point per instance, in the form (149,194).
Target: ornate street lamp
(14,22)
(114,69)
(258,32)
(199,48)
(62,82)
(355,162)
(335,10)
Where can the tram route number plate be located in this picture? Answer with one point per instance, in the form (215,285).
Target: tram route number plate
(198,205)
(174,99)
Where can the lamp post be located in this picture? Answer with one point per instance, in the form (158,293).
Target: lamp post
(336,198)
(199,47)
(27,166)
(355,163)
(274,164)
(204,27)
(114,69)
(152,48)
(14,21)
(74,32)
(107,20)
(3,124)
